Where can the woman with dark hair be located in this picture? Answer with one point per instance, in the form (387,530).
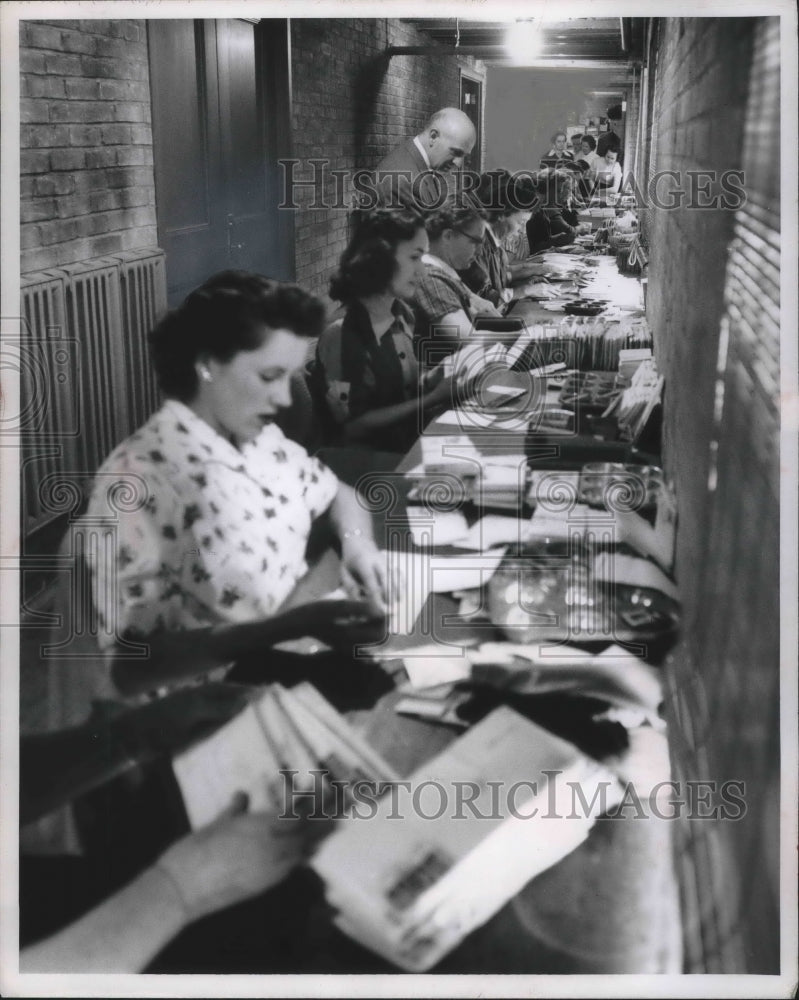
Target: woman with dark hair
(445,307)
(207,508)
(587,150)
(507,202)
(553,223)
(605,174)
(366,368)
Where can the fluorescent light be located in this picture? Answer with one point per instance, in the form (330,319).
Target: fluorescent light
(523,42)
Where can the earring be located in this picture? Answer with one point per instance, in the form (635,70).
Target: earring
(205,375)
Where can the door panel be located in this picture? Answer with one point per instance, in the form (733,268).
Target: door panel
(187,197)
(241,117)
(214,147)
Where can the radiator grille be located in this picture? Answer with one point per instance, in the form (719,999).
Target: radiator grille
(142,282)
(85,377)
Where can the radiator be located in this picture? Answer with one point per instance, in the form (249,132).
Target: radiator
(86,381)
(142,277)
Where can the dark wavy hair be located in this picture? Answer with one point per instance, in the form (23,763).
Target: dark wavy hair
(501,193)
(555,187)
(369,262)
(590,141)
(230,312)
(453,214)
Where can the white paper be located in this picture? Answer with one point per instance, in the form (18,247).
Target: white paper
(505,390)
(235,756)
(431,528)
(467,572)
(495,529)
(465,418)
(430,670)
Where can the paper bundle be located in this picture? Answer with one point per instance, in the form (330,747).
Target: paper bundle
(285,729)
(420,869)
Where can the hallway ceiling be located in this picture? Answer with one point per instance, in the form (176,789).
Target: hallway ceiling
(611,40)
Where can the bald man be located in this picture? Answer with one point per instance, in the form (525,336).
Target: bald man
(415,171)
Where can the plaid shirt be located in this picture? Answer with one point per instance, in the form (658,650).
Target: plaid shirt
(489,273)
(439,293)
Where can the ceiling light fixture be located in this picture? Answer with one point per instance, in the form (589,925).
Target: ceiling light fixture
(523,42)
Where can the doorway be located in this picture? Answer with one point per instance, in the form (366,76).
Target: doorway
(472,105)
(221,121)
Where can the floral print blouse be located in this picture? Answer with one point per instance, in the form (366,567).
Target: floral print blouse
(198,532)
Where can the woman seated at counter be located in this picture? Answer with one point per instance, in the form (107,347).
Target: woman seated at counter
(554,223)
(507,203)
(605,174)
(208,506)
(588,150)
(445,307)
(366,369)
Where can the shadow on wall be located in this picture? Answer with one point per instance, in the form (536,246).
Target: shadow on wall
(366,87)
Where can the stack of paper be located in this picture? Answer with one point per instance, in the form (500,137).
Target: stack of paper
(502,482)
(454,454)
(293,730)
(631,358)
(427,867)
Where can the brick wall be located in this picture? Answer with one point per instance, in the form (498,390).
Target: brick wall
(87,186)
(712,272)
(352,105)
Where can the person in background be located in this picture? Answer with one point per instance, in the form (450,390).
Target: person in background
(445,307)
(581,190)
(235,858)
(576,141)
(554,222)
(587,150)
(611,139)
(605,175)
(507,203)
(441,147)
(208,506)
(366,370)
(559,151)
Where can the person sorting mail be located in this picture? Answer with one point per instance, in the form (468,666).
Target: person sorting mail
(208,507)
(367,376)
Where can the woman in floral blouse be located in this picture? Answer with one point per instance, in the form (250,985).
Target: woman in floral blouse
(205,511)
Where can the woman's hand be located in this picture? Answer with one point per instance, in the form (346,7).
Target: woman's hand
(364,573)
(483,307)
(236,857)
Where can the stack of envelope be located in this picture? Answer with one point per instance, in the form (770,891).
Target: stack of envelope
(412,874)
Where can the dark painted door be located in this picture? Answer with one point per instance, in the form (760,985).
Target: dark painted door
(471,100)
(220,105)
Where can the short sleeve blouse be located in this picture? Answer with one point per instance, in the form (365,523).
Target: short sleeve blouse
(197,532)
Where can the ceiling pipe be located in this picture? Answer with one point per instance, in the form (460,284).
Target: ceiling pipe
(498,52)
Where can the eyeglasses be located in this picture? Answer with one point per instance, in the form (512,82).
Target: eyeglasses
(476,240)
